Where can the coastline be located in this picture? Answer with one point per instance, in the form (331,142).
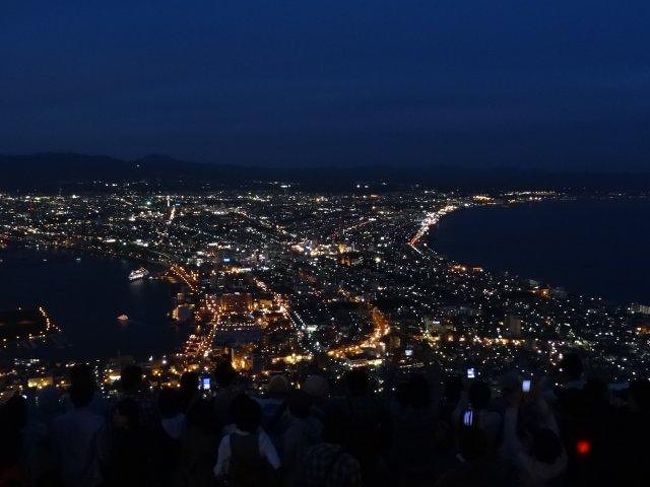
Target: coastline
(464,237)
(86,300)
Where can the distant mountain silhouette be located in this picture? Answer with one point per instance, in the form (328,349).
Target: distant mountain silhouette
(50,172)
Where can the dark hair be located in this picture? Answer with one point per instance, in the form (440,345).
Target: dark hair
(169,402)
(414,392)
(131,378)
(640,393)
(480,395)
(246,412)
(356,382)
(299,404)
(596,392)
(453,389)
(572,366)
(189,383)
(546,446)
(82,385)
(224,374)
(402,394)
(13,413)
(13,418)
(189,386)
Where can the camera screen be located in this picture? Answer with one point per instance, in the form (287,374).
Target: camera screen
(468,418)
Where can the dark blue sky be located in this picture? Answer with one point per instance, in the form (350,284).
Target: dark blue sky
(476,82)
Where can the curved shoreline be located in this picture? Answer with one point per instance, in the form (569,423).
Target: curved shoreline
(547,244)
(149,306)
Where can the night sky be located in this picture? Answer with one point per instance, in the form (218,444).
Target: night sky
(552,84)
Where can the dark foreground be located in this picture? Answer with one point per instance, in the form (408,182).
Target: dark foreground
(322,434)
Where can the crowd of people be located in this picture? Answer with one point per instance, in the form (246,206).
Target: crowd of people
(318,434)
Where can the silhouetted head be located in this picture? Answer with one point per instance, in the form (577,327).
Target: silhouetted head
(189,388)
(572,368)
(480,395)
(131,379)
(596,392)
(473,444)
(278,386)
(402,394)
(224,374)
(546,446)
(316,386)
(453,389)
(414,392)
(82,385)
(169,402)
(13,413)
(246,412)
(13,418)
(189,383)
(510,383)
(299,404)
(639,395)
(357,382)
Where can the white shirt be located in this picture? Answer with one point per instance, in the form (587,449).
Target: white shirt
(266,449)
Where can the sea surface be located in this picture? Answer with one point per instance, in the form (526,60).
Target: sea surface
(596,247)
(84,298)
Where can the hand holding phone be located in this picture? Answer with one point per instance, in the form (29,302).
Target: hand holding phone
(471,373)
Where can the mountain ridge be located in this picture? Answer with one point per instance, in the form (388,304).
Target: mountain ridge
(49,171)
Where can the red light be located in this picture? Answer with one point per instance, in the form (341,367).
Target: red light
(583,447)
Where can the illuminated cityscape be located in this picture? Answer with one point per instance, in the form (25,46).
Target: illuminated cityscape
(280,280)
(324,244)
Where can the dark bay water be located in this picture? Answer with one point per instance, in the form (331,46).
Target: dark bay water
(84,299)
(599,247)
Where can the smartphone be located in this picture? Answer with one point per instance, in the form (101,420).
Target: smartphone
(468,418)
(205,383)
(471,373)
(525,385)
